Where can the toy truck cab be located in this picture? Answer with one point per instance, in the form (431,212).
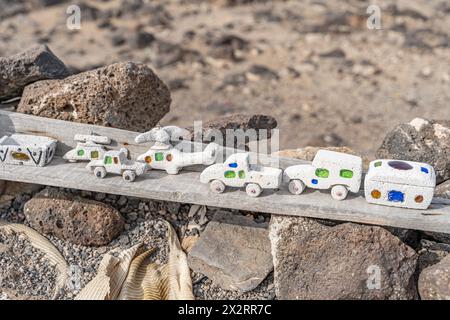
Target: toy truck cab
(117,162)
(337,171)
(237,172)
(400,183)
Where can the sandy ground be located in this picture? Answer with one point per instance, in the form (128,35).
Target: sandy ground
(329,79)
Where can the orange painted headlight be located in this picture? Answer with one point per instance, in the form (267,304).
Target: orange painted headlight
(376,194)
(148,159)
(419,199)
(169,157)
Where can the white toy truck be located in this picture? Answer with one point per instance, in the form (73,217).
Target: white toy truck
(237,172)
(116,162)
(337,171)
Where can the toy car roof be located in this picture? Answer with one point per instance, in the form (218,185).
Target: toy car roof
(332,157)
(402,172)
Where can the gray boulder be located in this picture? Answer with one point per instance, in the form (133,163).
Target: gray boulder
(78,220)
(124,95)
(347,261)
(17,71)
(434,281)
(420,140)
(233,251)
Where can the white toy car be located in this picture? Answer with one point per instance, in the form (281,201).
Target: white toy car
(237,172)
(163,156)
(89,148)
(337,171)
(400,183)
(117,162)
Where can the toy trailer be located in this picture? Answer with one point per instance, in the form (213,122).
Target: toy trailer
(337,171)
(29,150)
(398,183)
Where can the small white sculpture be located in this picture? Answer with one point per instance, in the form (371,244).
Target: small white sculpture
(89,148)
(339,171)
(163,156)
(116,162)
(400,183)
(237,172)
(30,150)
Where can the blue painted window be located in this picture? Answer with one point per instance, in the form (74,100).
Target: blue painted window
(423,169)
(396,196)
(314,181)
(233,165)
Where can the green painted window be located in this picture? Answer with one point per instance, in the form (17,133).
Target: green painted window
(80,152)
(322,173)
(94,154)
(345,173)
(108,160)
(229,174)
(159,156)
(377,164)
(241,174)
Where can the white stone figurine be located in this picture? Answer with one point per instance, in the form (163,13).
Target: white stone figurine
(116,162)
(400,183)
(29,150)
(237,172)
(337,171)
(163,156)
(89,148)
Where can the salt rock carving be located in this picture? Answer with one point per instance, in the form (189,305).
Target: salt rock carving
(29,150)
(90,147)
(238,172)
(117,162)
(337,171)
(164,156)
(399,183)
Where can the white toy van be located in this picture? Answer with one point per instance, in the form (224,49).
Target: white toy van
(400,183)
(337,171)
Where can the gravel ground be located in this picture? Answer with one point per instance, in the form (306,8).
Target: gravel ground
(144,223)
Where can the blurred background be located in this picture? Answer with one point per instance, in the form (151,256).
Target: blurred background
(328,77)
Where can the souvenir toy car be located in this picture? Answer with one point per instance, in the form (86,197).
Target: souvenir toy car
(116,162)
(237,172)
(337,171)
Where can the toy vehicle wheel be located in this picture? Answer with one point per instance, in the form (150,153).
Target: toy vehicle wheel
(217,186)
(339,192)
(296,186)
(253,189)
(100,172)
(129,175)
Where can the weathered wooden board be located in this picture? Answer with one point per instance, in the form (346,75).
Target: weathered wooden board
(185,187)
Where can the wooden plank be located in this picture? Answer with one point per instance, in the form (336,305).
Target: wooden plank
(185,187)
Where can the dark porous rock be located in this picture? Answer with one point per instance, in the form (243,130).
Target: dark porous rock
(233,251)
(80,221)
(348,261)
(443,190)
(124,95)
(17,71)
(423,141)
(434,281)
(250,124)
(430,253)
